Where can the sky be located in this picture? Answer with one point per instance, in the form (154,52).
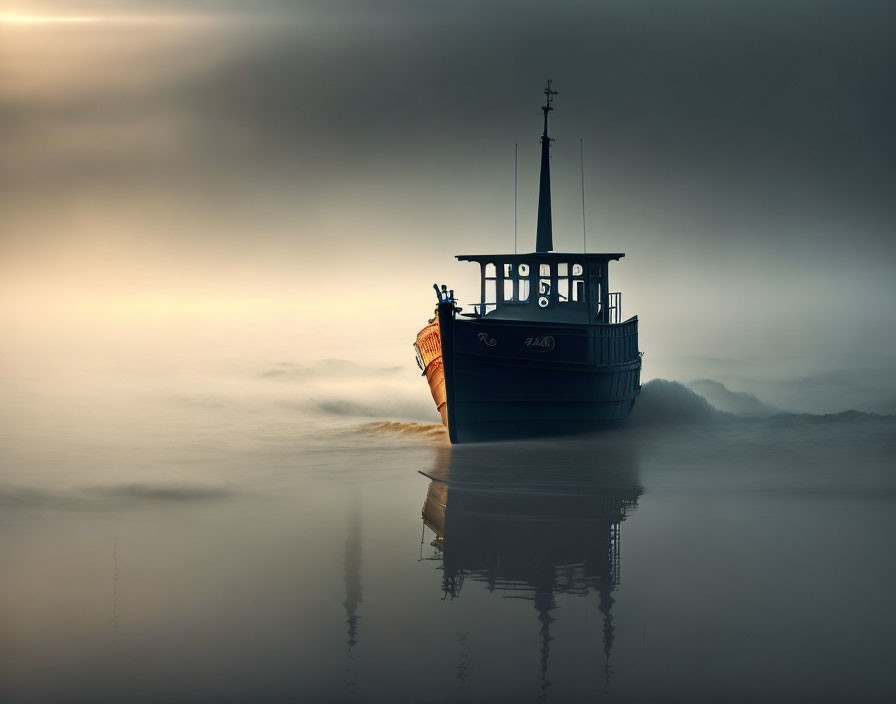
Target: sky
(287,179)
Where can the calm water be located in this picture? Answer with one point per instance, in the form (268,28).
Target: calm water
(225,541)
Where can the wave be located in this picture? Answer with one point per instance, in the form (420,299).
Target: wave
(670,402)
(390,406)
(338,387)
(162,492)
(736,402)
(844,417)
(102,497)
(428,430)
(331,367)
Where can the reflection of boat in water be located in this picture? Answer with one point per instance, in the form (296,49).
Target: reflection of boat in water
(353,592)
(532,521)
(544,352)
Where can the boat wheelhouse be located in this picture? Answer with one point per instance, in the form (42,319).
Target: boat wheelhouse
(545,351)
(550,286)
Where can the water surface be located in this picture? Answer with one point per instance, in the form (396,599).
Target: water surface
(240,539)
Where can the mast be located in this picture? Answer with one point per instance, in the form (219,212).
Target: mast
(544,241)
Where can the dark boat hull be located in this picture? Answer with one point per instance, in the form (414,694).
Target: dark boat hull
(509,379)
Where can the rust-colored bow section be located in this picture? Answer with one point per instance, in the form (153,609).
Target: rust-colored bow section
(429,345)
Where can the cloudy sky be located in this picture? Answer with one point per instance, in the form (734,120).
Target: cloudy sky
(286,170)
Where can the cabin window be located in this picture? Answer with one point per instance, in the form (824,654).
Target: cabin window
(563,282)
(490,286)
(490,294)
(563,289)
(524,269)
(522,291)
(544,269)
(544,292)
(577,270)
(508,271)
(508,289)
(578,290)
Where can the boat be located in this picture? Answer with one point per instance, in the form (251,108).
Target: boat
(545,351)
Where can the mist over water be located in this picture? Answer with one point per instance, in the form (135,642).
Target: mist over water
(254,531)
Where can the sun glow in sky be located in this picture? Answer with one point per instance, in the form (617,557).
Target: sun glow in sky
(25,19)
(44,19)
(275,165)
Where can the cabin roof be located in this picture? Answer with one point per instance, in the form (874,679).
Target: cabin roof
(563,256)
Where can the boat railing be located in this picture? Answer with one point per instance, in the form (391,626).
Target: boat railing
(614,308)
(617,343)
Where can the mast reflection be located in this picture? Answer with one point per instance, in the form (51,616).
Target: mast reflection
(531,521)
(353,592)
